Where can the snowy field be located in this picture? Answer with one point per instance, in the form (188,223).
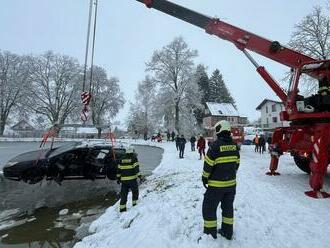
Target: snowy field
(269,211)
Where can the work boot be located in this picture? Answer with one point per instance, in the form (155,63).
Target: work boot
(122,210)
(225,235)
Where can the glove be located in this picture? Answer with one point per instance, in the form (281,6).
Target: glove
(204,179)
(118,181)
(140,178)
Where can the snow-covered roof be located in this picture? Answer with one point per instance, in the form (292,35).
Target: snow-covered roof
(222,109)
(86,130)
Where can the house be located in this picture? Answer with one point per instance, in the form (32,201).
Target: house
(24,129)
(215,112)
(270,114)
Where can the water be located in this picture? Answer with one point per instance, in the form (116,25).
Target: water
(29,214)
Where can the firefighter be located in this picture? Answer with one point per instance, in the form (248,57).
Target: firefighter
(127,174)
(219,178)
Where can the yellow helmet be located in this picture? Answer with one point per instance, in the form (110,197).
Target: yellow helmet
(222,126)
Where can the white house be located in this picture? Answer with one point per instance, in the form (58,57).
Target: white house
(270,114)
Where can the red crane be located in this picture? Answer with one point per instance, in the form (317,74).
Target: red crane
(308,136)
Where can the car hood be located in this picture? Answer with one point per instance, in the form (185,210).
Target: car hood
(31,156)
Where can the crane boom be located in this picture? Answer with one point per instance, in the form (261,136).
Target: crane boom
(241,38)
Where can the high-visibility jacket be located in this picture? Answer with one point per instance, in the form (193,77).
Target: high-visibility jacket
(221,163)
(128,168)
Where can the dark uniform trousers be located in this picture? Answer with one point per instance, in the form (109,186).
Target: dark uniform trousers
(212,197)
(127,173)
(125,187)
(219,173)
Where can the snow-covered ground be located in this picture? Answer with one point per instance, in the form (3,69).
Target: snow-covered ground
(269,211)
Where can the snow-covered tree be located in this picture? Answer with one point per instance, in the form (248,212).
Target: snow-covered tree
(218,90)
(107,99)
(190,105)
(54,86)
(142,111)
(312,35)
(14,71)
(172,67)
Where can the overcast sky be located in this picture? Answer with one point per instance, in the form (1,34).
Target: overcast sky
(128,33)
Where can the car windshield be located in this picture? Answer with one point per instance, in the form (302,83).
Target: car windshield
(64,148)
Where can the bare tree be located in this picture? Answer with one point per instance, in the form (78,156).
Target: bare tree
(142,111)
(14,72)
(312,35)
(172,67)
(107,99)
(54,86)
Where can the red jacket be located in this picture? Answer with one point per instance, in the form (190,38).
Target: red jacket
(201,143)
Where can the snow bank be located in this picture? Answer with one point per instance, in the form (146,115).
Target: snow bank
(269,211)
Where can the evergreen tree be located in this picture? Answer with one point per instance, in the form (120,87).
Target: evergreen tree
(203,82)
(218,90)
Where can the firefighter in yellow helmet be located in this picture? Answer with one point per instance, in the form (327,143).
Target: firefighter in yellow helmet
(127,174)
(219,178)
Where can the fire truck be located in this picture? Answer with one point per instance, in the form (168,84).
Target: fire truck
(307,138)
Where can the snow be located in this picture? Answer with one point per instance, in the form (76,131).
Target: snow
(269,211)
(64,211)
(222,109)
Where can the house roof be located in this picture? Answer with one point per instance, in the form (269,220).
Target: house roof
(222,109)
(23,125)
(265,101)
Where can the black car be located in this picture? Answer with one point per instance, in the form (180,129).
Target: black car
(76,160)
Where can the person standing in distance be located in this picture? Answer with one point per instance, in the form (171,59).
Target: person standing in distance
(219,178)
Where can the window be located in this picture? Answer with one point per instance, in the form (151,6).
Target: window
(266,109)
(274,108)
(275,119)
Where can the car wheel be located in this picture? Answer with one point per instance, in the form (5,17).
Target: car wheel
(33,175)
(302,163)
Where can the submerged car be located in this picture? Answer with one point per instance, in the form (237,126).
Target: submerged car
(77,160)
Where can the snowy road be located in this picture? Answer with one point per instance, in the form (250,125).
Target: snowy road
(269,211)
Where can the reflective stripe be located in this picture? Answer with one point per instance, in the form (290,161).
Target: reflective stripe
(136,164)
(238,161)
(126,161)
(139,174)
(134,202)
(206,174)
(228,148)
(221,184)
(118,175)
(126,167)
(210,223)
(227,159)
(209,161)
(122,206)
(229,221)
(128,178)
